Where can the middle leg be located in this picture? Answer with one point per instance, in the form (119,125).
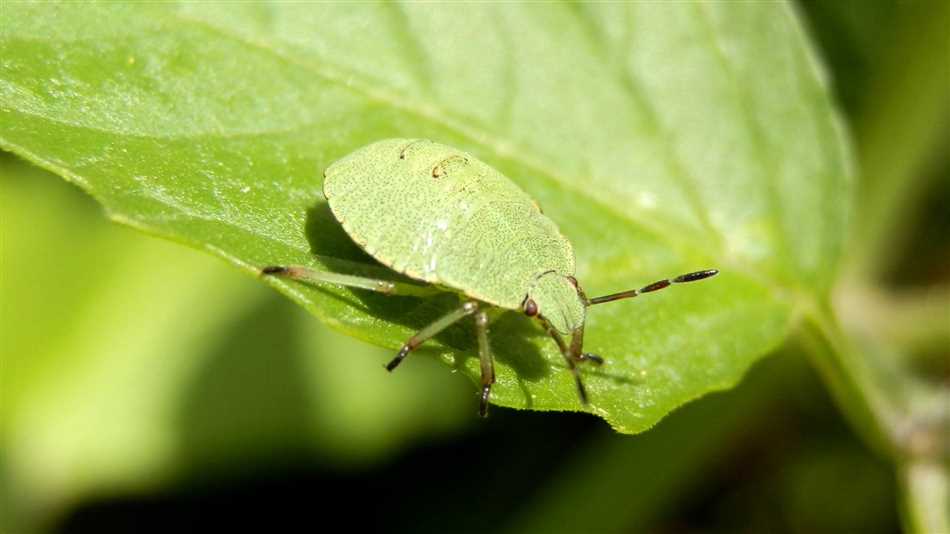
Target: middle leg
(437,326)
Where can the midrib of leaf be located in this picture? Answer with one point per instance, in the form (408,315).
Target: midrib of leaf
(231,134)
(501,147)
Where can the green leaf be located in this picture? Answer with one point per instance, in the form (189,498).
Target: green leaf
(661,138)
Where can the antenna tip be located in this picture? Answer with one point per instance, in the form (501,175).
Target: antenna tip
(698,275)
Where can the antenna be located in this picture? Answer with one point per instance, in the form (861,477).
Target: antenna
(655,286)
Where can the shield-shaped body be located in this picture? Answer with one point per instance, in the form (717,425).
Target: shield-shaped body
(440,215)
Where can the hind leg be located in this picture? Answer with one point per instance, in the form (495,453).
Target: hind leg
(313,276)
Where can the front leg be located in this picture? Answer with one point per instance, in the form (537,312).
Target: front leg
(568,358)
(577,348)
(485,359)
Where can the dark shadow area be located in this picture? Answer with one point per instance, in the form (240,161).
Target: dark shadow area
(799,469)
(511,331)
(927,236)
(250,389)
(785,464)
(434,488)
(327,237)
(11,520)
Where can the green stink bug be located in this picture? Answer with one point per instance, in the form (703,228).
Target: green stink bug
(444,218)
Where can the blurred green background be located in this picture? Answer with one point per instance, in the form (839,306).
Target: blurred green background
(134,394)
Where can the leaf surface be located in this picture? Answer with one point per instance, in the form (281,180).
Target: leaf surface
(661,138)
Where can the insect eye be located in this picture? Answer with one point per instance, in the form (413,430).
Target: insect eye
(530,308)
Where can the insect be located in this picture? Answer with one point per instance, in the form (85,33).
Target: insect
(451,222)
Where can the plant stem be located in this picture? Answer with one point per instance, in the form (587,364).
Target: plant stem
(925,485)
(850,380)
(889,415)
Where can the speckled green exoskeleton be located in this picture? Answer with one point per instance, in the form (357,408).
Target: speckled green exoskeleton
(448,220)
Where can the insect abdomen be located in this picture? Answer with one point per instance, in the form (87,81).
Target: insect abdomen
(440,215)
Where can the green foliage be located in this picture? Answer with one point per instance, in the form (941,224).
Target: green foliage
(210,126)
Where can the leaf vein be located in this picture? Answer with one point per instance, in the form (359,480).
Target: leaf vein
(503,148)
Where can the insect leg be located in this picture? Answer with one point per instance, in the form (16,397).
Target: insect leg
(437,326)
(577,347)
(655,286)
(566,352)
(311,276)
(485,359)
